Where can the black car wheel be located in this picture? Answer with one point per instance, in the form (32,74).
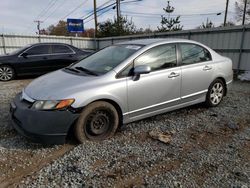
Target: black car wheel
(98,121)
(6,73)
(215,93)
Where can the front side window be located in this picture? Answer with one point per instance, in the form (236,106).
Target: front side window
(192,53)
(59,49)
(160,57)
(38,50)
(106,59)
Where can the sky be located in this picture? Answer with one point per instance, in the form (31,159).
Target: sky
(18,16)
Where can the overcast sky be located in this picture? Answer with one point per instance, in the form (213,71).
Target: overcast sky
(17,16)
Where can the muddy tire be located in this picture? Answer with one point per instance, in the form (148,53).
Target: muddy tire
(215,94)
(98,121)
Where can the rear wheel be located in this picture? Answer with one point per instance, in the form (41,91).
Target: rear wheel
(215,93)
(6,73)
(98,121)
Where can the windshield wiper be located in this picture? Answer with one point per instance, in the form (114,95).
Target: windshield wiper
(86,70)
(71,69)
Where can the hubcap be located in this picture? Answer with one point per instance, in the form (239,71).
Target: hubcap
(216,93)
(5,73)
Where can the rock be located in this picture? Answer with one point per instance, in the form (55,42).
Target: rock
(233,126)
(163,137)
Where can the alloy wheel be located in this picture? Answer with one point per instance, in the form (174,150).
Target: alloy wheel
(6,73)
(216,93)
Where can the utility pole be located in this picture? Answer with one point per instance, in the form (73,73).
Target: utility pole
(38,26)
(95,14)
(118,9)
(244,13)
(118,13)
(225,18)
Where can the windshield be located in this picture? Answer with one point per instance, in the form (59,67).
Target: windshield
(106,59)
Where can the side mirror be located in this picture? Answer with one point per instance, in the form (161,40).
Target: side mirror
(142,69)
(24,54)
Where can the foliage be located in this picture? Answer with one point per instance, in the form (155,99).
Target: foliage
(239,9)
(118,27)
(208,24)
(170,24)
(60,29)
(228,24)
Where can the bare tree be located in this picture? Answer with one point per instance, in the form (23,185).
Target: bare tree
(239,9)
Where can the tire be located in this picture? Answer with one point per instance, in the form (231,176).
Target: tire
(215,94)
(7,73)
(98,121)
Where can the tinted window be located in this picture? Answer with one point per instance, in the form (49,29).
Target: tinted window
(61,49)
(192,53)
(159,57)
(38,50)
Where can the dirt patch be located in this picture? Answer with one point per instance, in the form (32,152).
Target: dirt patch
(23,164)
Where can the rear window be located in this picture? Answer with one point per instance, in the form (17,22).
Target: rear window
(58,49)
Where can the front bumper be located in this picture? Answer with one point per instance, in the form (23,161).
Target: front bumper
(48,127)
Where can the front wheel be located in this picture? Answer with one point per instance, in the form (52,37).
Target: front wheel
(6,73)
(98,121)
(215,93)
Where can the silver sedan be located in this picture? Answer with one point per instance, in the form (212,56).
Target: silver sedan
(120,84)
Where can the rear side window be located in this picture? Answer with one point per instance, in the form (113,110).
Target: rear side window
(58,49)
(192,53)
(38,50)
(160,57)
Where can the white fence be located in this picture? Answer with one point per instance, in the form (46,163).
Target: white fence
(233,42)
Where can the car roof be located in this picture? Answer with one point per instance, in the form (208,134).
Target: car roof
(154,41)
(51,43)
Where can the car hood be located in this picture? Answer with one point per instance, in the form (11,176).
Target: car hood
(5,57)
(58,85)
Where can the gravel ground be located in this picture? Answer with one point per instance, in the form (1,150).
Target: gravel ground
(18,156)
(209,148)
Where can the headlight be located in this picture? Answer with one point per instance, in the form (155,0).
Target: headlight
(52,105)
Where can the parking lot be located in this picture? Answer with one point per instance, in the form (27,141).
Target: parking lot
(208,148)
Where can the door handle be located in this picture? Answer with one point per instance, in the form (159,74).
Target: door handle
(173,75)
(206,68)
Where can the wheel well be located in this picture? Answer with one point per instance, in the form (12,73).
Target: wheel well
(224,82)
(117,107)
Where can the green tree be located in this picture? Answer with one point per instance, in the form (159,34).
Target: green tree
(118,27)
(239,9)
(168,23)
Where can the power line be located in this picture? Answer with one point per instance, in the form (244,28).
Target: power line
(44,9)
(183,15)
(77,7)
(53,12)
(48,8)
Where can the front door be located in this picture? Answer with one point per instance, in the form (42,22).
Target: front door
(35,61)
(154,92)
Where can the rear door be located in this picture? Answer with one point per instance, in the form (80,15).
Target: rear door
(197,71)
(158,90)
(62,56)
(35,60)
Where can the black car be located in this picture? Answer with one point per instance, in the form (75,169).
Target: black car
(38,59)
